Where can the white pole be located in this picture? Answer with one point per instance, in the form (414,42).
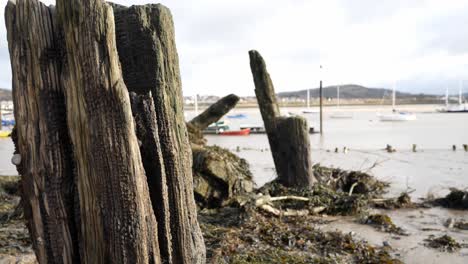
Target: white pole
(393,96)
(308,96)
(446,97)
(196,104)
(460,84)
(338,95)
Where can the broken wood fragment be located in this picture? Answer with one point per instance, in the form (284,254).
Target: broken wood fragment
(215,112)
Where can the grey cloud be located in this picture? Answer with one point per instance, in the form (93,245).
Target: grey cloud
(448,32)
(369,11)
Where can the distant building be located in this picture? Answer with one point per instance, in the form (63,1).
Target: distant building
(6,105)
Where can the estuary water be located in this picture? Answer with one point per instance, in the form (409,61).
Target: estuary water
(431,170)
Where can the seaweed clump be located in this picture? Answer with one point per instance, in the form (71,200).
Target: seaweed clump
(456,199)
(276,224)
(463,225)
(15,244)
(351,182)
(339,192)
(402,201)
(258,238)
(320,195)
(384,223)
(443,243)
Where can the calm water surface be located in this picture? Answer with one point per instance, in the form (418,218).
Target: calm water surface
(433,168)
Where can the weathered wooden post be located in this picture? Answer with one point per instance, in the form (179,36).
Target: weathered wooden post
(288,136)
(41,133)
(86,193)
(150,65)
(117,220)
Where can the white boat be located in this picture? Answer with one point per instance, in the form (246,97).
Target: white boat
(395,115)
(462,107)
(340,114)
(308,110)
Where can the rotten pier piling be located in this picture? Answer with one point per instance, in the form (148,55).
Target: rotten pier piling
(288,136)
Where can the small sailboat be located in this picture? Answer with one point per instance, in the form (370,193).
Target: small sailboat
(462,106)
(308,110)
(340,114)
(396,115)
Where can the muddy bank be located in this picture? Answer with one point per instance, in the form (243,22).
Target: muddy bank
(349,228)
(15,243)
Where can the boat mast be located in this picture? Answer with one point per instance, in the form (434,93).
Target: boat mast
(446,98)
(196,104)
(338,95)
(308,98)
(393,96)
(460,85)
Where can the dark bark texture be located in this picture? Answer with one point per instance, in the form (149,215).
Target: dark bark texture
(288,137)
(148,54)
(106,178)
(41,135)
(215,112)
(117,221)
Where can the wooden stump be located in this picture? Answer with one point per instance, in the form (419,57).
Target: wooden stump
(288,137)
(148,54)
(41,134)
(117,221)
(83,159)
(294,152)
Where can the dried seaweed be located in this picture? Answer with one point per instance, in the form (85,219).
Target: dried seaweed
(259,238)
(383,223)
(456,199)
(443,243)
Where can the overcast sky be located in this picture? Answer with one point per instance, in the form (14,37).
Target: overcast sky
(421,44)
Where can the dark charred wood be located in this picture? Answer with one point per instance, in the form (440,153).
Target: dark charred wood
(148,55)
(117,219)
(41,135)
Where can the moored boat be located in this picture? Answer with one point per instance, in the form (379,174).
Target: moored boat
(237,116)
(396,116)
(462,106)
(254,129)
(4,133)
(242,132)
(340,114)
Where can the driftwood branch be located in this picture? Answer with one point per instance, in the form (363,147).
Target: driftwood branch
(265,203)
(215,112)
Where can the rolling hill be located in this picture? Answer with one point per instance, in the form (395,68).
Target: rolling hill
(5,95)
(352,91)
